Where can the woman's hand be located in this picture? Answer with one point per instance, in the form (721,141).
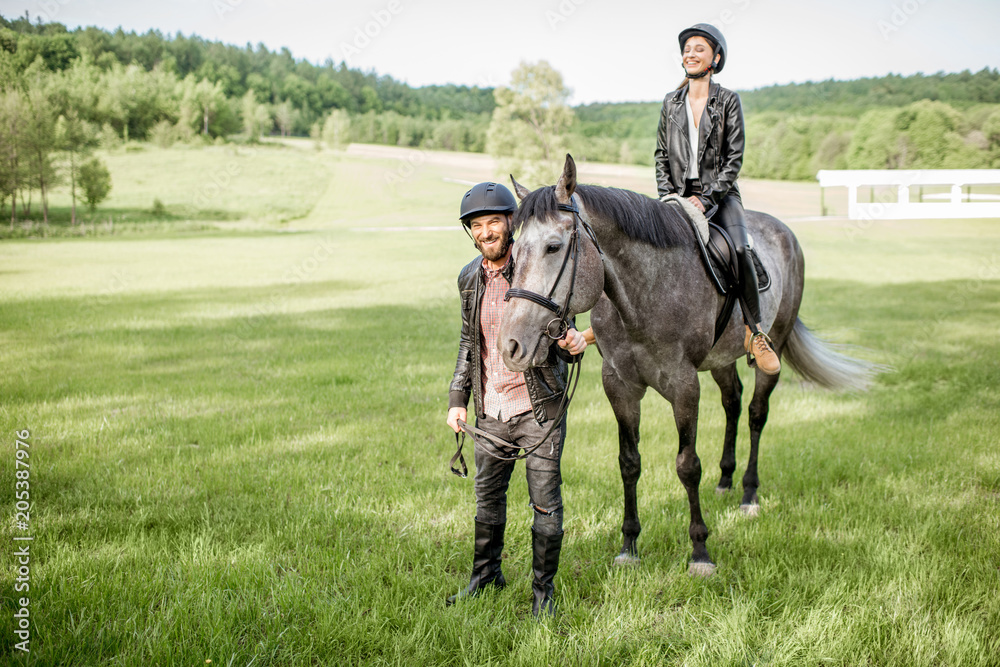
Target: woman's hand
(697,203)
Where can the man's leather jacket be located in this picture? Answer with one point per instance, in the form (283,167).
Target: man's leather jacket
(720,145)
(545,383)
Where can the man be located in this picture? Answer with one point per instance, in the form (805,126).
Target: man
(515,407)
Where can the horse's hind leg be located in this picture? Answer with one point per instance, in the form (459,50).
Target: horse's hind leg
(732,394)
(625,400)
(763,386)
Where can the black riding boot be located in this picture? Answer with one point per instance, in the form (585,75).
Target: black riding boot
(749,287)
(545,563)
(485,561)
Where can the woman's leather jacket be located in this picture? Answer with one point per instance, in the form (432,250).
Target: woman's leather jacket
(720,145)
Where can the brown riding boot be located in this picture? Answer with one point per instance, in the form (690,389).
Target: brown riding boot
(758,347)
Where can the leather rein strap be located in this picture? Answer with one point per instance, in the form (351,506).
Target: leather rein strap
(572,251)
(493,445)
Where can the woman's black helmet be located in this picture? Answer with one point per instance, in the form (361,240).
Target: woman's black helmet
(486,198)
(712,34)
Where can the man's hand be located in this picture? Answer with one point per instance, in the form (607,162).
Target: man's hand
(454,416)
(697,203)
(574,342)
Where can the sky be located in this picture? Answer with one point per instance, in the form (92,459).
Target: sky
(606,50)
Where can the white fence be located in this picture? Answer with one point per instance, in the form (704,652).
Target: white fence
(955,205)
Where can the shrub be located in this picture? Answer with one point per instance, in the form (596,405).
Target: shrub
(163,134)
(95,181)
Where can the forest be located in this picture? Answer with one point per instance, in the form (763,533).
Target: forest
(65,93)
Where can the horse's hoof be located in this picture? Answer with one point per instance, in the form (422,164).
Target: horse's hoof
(625,558)
(750,511)
(722,490)
(702,570)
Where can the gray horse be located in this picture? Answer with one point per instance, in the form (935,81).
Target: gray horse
(653,313)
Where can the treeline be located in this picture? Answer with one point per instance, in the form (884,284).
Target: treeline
(853,98)
(939,121)
(922,135)
(121,86)
(64,93)
(274,78)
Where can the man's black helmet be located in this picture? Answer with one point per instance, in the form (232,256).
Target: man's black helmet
(712,34)
(486,198)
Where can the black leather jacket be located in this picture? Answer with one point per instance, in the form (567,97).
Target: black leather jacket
(545,383)
(720,145)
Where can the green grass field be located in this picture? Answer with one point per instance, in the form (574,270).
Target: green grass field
(238,451)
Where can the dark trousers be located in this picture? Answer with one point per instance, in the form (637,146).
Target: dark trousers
(730,217)
(542,471)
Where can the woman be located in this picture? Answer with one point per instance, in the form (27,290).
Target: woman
(699,152)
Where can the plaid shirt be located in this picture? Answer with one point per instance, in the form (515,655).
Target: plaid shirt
(504,392)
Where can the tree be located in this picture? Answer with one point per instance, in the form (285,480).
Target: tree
(76,137)
(95,180)
(134,100)
(877,142)
(256,119)
(530,120)
(337,129)
(200,101)
(12,118)
(991,131)
(39,141)
(930,129)
(285,115)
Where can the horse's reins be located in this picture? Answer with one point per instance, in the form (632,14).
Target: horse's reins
(561,312)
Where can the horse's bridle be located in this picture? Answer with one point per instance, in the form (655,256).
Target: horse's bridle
(572,251)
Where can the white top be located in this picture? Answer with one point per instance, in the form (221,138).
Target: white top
(692,171)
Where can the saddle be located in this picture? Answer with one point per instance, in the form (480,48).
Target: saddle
(719,255)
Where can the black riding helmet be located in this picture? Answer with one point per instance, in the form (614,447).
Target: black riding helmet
(486,198)
(715,38)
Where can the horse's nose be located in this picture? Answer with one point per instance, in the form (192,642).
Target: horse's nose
(511,349)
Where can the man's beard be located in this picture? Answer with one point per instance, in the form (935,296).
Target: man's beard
(500,250)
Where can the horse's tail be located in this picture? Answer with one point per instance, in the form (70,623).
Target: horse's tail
(818,361)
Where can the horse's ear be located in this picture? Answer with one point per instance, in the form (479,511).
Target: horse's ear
(519,189)
(567,182)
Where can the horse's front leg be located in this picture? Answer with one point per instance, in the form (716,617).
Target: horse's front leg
(685,395)
(625,397)
(630,463)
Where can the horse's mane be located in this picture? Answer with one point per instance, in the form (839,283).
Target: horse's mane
(638,216)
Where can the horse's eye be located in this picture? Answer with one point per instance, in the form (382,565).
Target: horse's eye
(553,248)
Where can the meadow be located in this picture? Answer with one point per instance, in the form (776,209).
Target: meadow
(238,452)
